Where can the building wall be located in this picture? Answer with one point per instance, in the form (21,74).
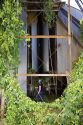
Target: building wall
(22,69)
(75,26)
(63,50)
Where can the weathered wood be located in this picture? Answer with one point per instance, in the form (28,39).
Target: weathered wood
(2,104)
(49,75)
(44,36)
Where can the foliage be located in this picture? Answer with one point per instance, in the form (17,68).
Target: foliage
(28,41)
(66,110)
(49,14)
(19,109)
(10,27)
(70,105)
(81,23)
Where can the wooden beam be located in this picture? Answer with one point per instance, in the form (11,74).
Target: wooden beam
(38,2)
(2,104)
(36,75)
(38,10)
(45,36)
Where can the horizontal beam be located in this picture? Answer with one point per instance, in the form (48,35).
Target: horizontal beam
(36,75)
(45,36)
(37,2)
(38,10)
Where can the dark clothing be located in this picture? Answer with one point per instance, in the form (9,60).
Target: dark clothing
(39,97)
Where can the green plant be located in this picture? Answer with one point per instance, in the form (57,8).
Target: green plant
(81,25)
(65,110)
(10,27)
(28,41)
(49,14)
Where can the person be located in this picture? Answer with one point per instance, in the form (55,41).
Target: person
(39,95)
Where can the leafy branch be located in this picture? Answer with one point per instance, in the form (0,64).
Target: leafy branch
(49,14)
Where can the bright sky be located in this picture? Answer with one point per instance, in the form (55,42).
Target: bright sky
(73,3)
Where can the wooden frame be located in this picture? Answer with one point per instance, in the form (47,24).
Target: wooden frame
(52,36)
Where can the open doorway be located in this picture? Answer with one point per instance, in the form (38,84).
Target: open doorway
(50,89)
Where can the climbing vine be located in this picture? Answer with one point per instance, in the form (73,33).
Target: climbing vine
(10,27)
(19,109)
(49,14)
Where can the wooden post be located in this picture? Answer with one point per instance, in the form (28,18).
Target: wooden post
(69,38)
(2,104)
(56,88)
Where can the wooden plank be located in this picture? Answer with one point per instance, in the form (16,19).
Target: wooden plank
(38,2)
(49,75)
(2,104)
(44,36)
(38,10)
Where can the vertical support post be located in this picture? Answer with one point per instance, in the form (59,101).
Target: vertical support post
(28,61)
(2,104)
(56,88)
(46,48)
(34,46)
(69,38)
